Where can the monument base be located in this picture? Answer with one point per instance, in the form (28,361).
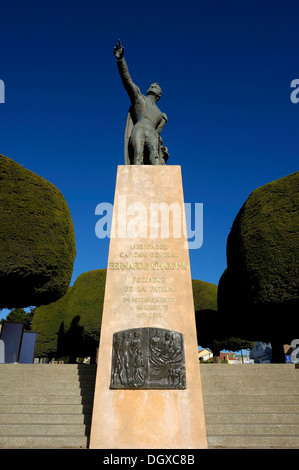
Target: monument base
(148,392)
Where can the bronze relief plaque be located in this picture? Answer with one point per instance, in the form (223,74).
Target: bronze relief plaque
(148,358)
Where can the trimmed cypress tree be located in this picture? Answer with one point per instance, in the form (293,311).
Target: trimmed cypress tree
(261,282)
(37,241)
(204,295)
(71,327)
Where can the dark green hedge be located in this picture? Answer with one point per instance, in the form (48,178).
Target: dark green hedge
(204,295)
(37,241)
(261,281)
(71,326)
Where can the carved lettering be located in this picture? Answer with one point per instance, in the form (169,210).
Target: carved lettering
(149,280)
(146,266)
(160,289)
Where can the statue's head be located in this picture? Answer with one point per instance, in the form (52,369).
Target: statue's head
(154,89)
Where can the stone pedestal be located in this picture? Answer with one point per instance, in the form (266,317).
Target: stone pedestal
(148,289)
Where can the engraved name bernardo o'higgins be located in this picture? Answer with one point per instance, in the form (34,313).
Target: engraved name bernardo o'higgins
(148,266)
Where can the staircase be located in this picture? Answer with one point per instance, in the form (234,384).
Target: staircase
(246,406)
(251,405)
(46,405)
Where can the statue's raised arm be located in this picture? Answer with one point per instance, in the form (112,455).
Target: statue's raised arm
(128,83)
(119,50)
(143,144)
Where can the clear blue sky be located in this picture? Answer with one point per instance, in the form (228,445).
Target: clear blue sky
(225,69)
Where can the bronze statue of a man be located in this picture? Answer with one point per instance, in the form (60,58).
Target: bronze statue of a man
(143,143)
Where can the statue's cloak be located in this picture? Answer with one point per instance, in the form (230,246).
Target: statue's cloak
(128,132)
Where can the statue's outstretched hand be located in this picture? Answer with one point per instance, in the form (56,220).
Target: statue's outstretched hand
(119,50)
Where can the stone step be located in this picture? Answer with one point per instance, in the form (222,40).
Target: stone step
(219,409)
(239,371)
(46,374)
(59,389)
(226,391)
(48,368)
(266,377)
(48,399)
(247,389)
(271,385)
(252,399)
(16,376)
(46,382)
(252,429)
(46,393)
(251,367)
(40,389)
(45,409)
(251,418)
(42,429)
(255,442)
(44,418)
(258,388)
(50,375)
(43,442)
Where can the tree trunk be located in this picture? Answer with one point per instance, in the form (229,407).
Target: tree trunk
(278,356)
(216,358)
